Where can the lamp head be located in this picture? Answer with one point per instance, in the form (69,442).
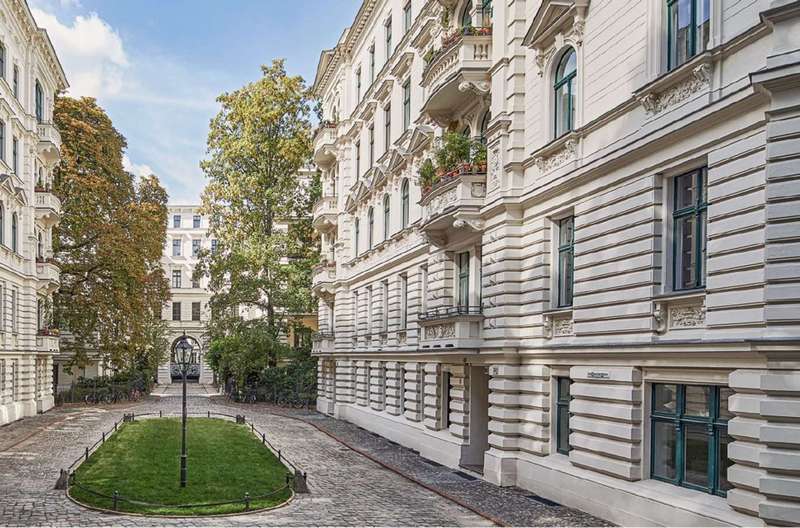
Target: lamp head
(184,350)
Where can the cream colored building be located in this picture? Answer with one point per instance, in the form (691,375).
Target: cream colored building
(187,311)
(608,313)
(30,145)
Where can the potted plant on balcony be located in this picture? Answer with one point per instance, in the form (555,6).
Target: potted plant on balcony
(479,158)
(427,176)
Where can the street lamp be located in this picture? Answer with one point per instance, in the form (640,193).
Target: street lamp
(182,351)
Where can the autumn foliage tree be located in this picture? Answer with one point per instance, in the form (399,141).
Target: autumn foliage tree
(258,210)
(108,245)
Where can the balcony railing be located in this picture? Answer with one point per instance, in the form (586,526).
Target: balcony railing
(49,145)
(323,278)
(452,205)
(324,142)
(448,312)
(452,327)
(48,274)
(323,342)
(324,214)
(48,207)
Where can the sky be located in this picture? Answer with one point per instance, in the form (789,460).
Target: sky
(157,66)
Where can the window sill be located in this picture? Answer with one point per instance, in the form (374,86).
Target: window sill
(679,295)
(558,311)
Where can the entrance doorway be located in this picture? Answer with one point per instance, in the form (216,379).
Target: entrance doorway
(473,453)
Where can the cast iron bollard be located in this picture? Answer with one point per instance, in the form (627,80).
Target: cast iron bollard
(104,437)
(279,455)
(239,418)
(209,414)
(263,438)
(63,480)
(160,415)
(246,502)
(116,499)
(127,417)
(300,484)
(86,454)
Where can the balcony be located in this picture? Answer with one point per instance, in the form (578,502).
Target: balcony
(47,340)
(325,215)
(48,207)
(48,276)
(324,144)
(451,206)
(323,279)
(49,146)
(323,343)
(457,72)
(452,327)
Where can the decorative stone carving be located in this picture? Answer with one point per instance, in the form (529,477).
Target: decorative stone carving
(478,190)
(687,316)
(441,202)
(479,88)
(561,156)
(440,331)
(543,57)
(562,327)
(558,325)
(494,169)
(401,337)
(655,103)
(473,224)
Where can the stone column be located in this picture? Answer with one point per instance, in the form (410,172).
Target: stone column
(459,402)
(377,386)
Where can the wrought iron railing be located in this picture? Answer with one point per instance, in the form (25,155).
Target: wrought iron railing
(446,312)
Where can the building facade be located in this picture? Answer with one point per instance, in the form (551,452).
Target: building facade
(561,248)
(187,312)
(30,146)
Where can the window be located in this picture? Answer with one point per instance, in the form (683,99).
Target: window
(487,117)
(689,218)
(408,19)
(566,259)
(356,306)
(423,289)
(213,245)
(372,63)
(176,278)
(564,88)
(401,388)
(39,246)
(562,414)
(688,29)
(466,15)
(486,13)
(195,247)
(2,140)
(371,135)
(176,221)
(403,293)
(196,221)
(2,224)
(385,306)
(15,82)
(387,128)
(195,311)
(370,318)
(370,226)
(195,283)
(386,216)
(176,247)
(407,105)
(689,436)
(176,311)
(405,202)
(388,34)
(15,155)
(358,84)
(14,310)
(356,235)
(39,97)
(2,60)
(14,229)
(445,399)
(462,291)
(358,160)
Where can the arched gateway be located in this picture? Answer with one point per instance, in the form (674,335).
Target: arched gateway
(195,361)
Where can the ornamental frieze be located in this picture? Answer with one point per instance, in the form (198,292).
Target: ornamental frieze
(700,78)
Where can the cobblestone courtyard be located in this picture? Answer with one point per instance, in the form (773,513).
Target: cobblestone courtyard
(348,488)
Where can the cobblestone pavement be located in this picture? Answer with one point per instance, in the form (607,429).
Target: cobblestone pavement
(508,506)
(347,488)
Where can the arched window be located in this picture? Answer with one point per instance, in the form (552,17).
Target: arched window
(387,216)
(466,15)
(14,229)
(39,93)
(39,246)
(485,125)
(370,227)
(405,200)
(2,223)
(356,235)
(564,88)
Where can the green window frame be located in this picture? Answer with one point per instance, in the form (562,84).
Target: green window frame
(689,220)
(463,279)
(466,15)
(689,436)
(406,105)
(566,261)
(405,201)
(39,99)
(688,30)
(563,397)
(407,18)
(564,94)
(387,212)
(14,232)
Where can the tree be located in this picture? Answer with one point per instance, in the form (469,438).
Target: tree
(258,210)
(108,245)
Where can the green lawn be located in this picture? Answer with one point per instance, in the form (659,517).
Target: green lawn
(142,462)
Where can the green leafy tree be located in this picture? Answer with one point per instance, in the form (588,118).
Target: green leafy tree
(258,210)
(108,245)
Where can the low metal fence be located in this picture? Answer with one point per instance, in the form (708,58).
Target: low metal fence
(297,479)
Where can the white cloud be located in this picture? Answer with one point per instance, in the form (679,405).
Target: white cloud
(136,169)
(91,52)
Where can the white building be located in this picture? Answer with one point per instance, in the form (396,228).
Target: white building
(187,312)
(30,75)
(610,314)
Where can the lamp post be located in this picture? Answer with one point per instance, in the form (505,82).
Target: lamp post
(183,350)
